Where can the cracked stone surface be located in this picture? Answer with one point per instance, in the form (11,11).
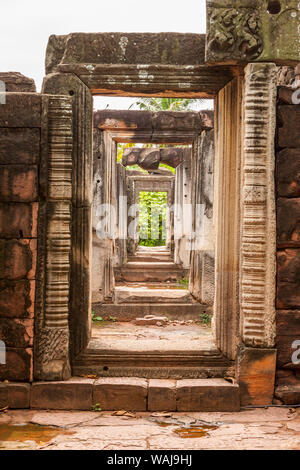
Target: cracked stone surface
(260,428)
(173,336)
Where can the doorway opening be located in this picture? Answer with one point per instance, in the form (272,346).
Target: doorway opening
(152,219)
(152,277)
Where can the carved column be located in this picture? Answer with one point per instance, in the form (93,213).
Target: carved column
(258,235)
(80,287)
(52,321)
(256,362)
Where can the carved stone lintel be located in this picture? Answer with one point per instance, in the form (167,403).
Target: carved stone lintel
(240,31)
(258,237)
(233,33)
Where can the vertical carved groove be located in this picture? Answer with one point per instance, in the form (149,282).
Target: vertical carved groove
(258,207)
(58,245)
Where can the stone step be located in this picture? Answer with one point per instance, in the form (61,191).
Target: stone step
(129,295)
(129,311)
(150,272)
(162,265)
(151,258)
(131,394)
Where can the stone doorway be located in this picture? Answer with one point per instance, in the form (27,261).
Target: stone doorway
(244,199)
(144,300)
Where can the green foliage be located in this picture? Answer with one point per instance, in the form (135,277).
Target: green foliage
(152,218)
(205,318)
(95,318)
(183,282)
(165,104)
(170,168)
(96,407)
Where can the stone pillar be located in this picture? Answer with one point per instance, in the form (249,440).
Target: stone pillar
(202,277)
(183,190)
(51,352)
(82,166)
(121,213)
(257,358)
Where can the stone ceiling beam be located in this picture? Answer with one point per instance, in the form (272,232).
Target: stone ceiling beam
(137,64)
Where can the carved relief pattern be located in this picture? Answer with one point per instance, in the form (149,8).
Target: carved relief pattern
(258,207)
(234,33)
(58,213)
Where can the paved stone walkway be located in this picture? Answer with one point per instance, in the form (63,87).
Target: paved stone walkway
(270,428)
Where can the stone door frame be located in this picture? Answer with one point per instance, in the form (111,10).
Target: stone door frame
(144,183)
(244,201)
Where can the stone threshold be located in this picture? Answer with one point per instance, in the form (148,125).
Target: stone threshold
(123,393)
(201,364)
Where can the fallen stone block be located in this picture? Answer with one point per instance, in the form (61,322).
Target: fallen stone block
(151,321)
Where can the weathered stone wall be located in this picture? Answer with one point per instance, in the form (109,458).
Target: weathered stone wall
(288,246)
(20,122)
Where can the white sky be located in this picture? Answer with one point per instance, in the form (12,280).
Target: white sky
(27,24)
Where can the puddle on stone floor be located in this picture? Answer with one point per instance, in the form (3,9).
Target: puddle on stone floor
(30,432)
(192,431)
(188,427)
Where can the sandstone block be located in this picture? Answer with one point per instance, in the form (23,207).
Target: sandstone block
(3,395)
(288,394)
(73,394)
(252,31)
(287,331)
(19,146)
(285,94)
(21,110)
(288,222)
(18,220)
(110,48)
(151,320)
(288,279)
(207,395)
(18,365)
(162,395)
(17,259)
(15,81)
(288,172)
(17,298)
(121,393)
(18,183)
(285,376)
(256,375)
(16,333)
(289,131)
(15,395)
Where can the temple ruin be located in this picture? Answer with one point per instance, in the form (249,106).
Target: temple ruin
(240,163)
